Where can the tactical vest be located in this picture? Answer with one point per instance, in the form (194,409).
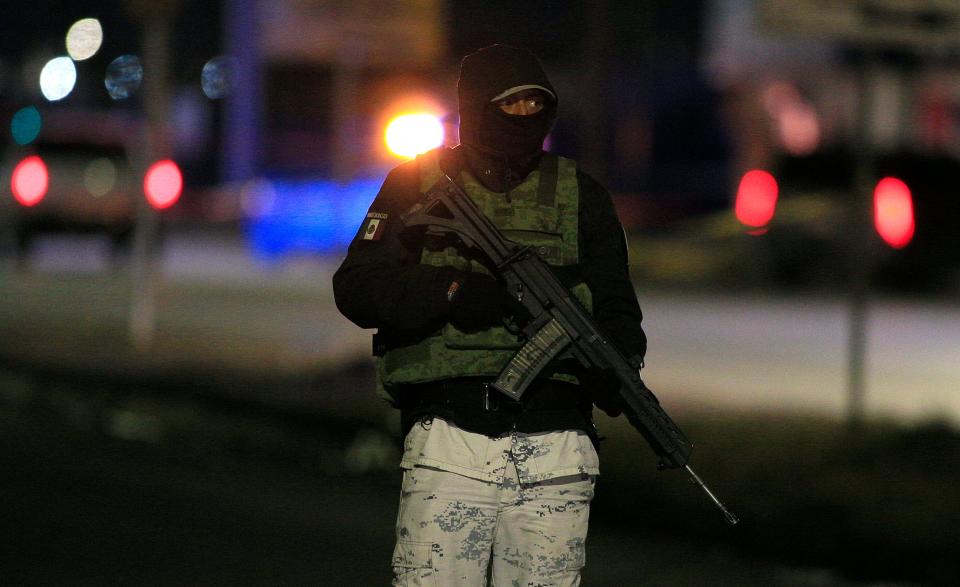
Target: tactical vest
(541,212)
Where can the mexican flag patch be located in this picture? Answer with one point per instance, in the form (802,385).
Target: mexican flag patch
(373,226)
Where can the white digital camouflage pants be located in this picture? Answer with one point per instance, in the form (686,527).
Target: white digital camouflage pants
(454,531)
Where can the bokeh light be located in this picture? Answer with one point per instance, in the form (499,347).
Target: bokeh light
(162,184)
(57,78)
(799,128)
(30,180)
(100,176)
(84,39)
(408,135)
(217,77)
(756,198)
(796,122)
(893,212)
(25,125)
(124,75)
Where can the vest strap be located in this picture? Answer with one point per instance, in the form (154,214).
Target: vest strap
(547,190)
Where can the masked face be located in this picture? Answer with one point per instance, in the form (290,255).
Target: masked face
(507,104)
(517,124)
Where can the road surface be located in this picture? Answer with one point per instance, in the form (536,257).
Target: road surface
(218,308)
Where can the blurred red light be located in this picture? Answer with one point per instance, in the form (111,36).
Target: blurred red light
(163,184)
(756,198)
(893,212)
(30,181)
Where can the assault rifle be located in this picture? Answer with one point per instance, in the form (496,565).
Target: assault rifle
(560,327)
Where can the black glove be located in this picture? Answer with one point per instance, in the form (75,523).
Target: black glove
(478,301)
(603,386)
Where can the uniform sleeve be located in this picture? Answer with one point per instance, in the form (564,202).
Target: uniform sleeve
(381,283)
(603,259)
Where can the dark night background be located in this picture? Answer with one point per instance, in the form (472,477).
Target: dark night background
(182,403)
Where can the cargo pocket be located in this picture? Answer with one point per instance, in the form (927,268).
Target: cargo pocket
(413,565)
(591,460)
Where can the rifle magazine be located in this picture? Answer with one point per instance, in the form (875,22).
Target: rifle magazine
(531,359)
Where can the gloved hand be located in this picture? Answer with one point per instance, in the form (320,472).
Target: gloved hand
(603,385)
(478,301)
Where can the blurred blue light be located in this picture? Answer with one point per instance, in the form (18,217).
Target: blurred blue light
(217,77)
(297,217)
(124,75)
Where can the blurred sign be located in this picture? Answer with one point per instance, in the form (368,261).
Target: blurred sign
(920,24)
(401,32)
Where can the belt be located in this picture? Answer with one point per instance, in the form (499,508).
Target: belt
(474,394)
(474,405)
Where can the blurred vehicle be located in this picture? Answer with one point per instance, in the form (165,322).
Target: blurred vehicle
(927,262)
(808,239)
(75,178)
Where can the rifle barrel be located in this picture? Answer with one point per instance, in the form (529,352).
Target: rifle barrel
(732,519)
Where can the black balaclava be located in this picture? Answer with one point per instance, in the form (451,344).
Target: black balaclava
(502,149)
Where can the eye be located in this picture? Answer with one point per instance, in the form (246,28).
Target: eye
(522,105)
(534,104)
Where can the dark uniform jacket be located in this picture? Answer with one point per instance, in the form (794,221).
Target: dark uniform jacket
(381,283)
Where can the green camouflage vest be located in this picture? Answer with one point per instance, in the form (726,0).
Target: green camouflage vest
(543,217)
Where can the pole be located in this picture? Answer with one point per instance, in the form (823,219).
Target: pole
(145,274)
(859,251)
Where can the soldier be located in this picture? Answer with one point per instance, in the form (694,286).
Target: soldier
(493,489)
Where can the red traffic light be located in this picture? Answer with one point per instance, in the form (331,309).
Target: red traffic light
(162,184)
(756,198)
(893,212)
(30,181)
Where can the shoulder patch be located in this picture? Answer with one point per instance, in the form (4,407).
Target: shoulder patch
(373,226)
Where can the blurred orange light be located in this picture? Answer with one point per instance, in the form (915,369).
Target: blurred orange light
(163,184)
(756,198)
(893,212)
(410,134)
(30,181)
